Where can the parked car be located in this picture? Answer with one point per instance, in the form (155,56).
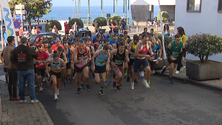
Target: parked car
(45,36)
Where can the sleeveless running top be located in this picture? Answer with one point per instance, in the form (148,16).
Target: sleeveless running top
(83,56)
(54,65)
(175,50)
(133,50)
(68,55)
(101,59)
(143,50)
(119,58)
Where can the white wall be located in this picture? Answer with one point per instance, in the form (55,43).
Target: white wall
(206,21)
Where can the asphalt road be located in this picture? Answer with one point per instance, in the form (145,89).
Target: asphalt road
(162,104)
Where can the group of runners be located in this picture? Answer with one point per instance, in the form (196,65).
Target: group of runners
(117,55)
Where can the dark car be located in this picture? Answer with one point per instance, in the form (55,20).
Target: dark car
(45,36)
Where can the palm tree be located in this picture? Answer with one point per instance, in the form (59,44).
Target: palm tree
(101,8)
(88,12)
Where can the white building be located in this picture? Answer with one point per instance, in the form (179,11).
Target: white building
(199,16)
(142,10)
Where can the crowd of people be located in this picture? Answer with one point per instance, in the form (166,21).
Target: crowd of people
(74,57)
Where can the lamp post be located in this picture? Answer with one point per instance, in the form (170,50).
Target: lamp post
(116,7)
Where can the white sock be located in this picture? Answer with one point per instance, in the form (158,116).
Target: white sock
(55,95)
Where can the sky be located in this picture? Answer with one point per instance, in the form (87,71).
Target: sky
(85,2)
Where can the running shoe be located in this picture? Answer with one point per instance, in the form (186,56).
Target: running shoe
(114,84)
(44,79)
(78,91)
(83,86)
(132,86)
(64,84)
(135,81)
(106,83)
(170,81)
(23,101)
(118,88)
(101,92)
(128,79)
(145,83)
(56,98)
(34,101)
(40,88)
(177,72)
(70,80)
(182,68)
(163,70)
(88,88)
(149,83)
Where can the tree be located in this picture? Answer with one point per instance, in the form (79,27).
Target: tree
(102,21)
(49,25)
(78,21)
(165,16)
(34,8)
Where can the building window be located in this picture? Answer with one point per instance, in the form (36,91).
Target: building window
(220,5)
(194,5)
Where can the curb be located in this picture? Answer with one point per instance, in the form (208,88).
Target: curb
(194,82)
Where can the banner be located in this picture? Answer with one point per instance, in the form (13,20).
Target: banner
(7,17)
(161,24)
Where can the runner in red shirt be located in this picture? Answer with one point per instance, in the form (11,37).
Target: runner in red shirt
(67,28)
(40,65)
(58,43)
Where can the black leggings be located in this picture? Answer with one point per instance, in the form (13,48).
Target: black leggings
(179,63)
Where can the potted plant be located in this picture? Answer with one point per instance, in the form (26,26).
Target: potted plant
(203,46)
(163,62)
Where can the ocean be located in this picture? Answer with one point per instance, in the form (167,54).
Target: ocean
(64,12)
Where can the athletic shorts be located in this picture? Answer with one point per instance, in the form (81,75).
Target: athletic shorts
(100,69)
(67,32)
(68,65)
(117,69)
(140,62)
(40,72)
(79,70)
(130,63)
(5,70)
(152,65)
(58,75)
(172,61)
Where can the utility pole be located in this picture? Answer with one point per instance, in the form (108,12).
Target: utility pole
(79,9)
(113,7)
(2,42)
(88,12)
(75,10)
(101,8)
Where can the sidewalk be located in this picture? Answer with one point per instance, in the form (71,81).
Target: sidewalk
(213,84)
(14,113)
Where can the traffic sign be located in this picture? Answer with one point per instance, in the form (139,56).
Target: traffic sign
(19,17)
(19,7)
(20,12)
(16,24)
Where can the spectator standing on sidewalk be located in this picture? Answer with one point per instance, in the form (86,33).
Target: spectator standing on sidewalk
(67,28)
(20,33)
(75,29)
(96,25)
(12,86)
(38,30)
(22,57)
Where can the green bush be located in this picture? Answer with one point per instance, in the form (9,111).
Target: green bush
(50,24)
(165,16)
(78,21)
(116,19)
(102,21)
(167,40)
(204,45)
